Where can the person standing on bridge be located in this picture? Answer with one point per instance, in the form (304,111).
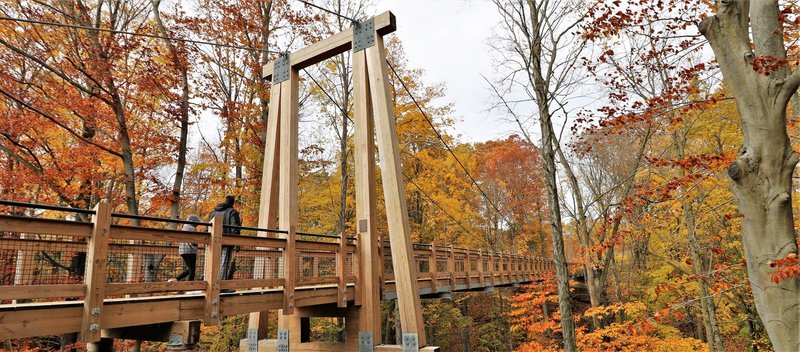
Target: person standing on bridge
(188,252)
(230,217)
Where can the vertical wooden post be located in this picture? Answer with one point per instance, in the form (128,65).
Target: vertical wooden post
(516,268)
(267,210)
(468,267)
(451,266)
(480,267)
(341,262)
(394,194)
(491,268)
(370,247)
(287,196)
(213,257)
(434,264)
(95,279)
(289,272)
(314,266)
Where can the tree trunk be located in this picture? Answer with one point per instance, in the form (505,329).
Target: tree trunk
(762,173)
(707,306)
(177,185)
(541,88)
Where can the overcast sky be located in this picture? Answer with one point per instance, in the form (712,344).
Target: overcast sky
(448,39)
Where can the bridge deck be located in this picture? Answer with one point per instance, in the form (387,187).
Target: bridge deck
(53,318)
(45,274)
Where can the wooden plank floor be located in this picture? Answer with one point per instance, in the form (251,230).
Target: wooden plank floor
(54,318)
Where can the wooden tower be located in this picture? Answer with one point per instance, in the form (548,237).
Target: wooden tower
(374,116)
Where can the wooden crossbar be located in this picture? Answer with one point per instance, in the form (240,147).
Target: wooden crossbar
(332,46)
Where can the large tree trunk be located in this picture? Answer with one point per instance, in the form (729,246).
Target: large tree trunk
(762,173)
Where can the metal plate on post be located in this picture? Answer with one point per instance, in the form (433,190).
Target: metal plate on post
(175,341)
(281,68)
(283,341)
(362,225)
(252,340)
(365,342)
(410,342)
(363,35)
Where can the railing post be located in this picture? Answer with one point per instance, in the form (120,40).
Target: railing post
(213,258)
(96,260)
(468,267)
(451,266)
(341,261)
(480,266)
(500,267)
(434,263)
(491,268)
(289,271)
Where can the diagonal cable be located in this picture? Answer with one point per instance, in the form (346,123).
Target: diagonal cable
(447,146)
(328,11)
(115,31)
(425,194)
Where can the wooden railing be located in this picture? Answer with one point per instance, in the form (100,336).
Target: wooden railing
(48,260)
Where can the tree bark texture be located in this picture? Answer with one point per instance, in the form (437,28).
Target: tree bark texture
(762,172)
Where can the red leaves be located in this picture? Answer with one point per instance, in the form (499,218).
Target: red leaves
(787,268)
(766,64)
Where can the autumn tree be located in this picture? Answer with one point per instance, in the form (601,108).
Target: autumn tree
(763,84)
(537,42)
(511,170)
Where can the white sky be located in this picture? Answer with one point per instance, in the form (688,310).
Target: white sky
(448,39)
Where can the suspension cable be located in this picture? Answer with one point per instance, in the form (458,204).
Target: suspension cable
(409,179)
(328,11)
(447,146)
(115,31)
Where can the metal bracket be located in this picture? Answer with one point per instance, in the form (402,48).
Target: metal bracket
(365,342)
(363,35)
(283,341)
(410,342)
(175,340)
(252,340)
(281,68)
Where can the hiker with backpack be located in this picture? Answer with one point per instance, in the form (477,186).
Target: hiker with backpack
(230,217)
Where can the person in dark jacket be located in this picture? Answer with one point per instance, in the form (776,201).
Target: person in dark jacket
(188,252)
(230,217)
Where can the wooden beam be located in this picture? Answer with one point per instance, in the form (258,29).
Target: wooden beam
(96,258)
(54,318)
(41,291)
(117,289)
(252,283)
(331,46)
(11,223)
(268,205)
(122,232)
(394,192)
(246,241)
(287,181)
(213,258)
(370,254)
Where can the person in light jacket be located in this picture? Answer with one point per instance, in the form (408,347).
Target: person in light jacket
(188,252)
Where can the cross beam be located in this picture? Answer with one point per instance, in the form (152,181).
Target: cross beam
(331,46)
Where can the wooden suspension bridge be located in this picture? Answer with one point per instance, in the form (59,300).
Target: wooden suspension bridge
(104,280)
